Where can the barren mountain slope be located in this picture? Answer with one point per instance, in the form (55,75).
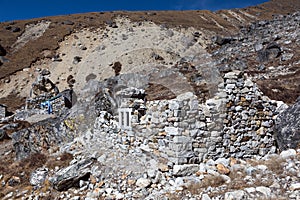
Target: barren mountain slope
(37,43)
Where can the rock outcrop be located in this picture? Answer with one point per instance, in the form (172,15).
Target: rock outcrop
(71,175)
(40,138)
(287,127)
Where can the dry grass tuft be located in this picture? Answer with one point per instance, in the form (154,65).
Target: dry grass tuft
(64,161)
(212,181)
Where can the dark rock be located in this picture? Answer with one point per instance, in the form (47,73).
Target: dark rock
(15,29)
(3,134)
(56,58)
(156,56)
(2,51)
(45,72)
(117,66)
(13,181)
(7,28)
(39,137)
(90,77)
(124,37)
(68,22)
(3,59)
(222,40)
(83,48)
(111,24)
(270,52)
(70,98)
(261,67)
(71,175)
(196,34)
(287,127)
(77,59)
(70,80)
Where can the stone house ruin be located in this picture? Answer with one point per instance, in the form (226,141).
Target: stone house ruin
(3,110)
(236,122)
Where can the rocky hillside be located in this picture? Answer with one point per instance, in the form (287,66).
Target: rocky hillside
(54,42)
(152,105)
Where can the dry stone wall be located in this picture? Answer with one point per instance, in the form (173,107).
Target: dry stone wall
(237,122)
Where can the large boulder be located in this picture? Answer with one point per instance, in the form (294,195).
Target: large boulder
(70,176)
(287,127)
(270,52)
(40,137)
(2,51)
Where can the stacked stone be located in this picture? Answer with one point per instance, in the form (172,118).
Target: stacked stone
(35,103)
(58,105)
(3,109)
(177,128)
(248,126)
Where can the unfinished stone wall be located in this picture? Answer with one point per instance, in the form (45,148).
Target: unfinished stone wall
(249,120)
(237,122)
(177,128)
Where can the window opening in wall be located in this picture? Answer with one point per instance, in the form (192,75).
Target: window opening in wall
(122,118)
(127,119)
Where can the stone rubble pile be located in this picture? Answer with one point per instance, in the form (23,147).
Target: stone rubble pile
(274,176)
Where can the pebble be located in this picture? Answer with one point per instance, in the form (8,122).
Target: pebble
(143,182)
(205,197)
(265,191)
(288,153)
(295,186)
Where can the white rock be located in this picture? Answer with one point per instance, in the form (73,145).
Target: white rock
(202,168)
(172,130)
(235,195)
(262,167)
(75,198)
(248,83)
(205,197)
(288,153)
(108,190)
(223,161)
(174,105)
(264,190)
(179,181)
(151,173)
(143,182)
(227,179)
(230,86)
(185,96)
(185,170)
(295,186)
(232,75)
(250,190)
(119,196)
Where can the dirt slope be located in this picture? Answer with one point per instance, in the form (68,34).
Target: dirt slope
(37,42)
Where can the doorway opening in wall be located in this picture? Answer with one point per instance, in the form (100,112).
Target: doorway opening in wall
(125,118)
(122,118)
